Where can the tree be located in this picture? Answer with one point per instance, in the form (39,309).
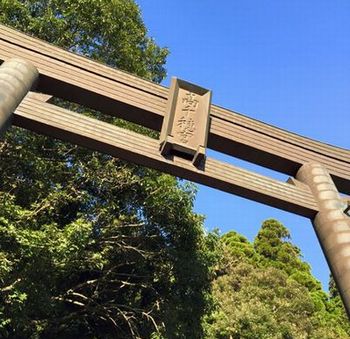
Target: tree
(90,246)
(265,290)
(273,245)
(108,31)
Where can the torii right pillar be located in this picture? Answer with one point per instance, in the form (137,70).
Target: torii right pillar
(331,225)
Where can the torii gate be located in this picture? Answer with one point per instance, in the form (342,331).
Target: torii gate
(188,124)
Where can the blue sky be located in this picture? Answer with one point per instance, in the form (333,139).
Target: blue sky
(284,62)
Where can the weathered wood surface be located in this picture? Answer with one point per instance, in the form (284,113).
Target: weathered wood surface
(17,77)
(51,120)
(72,77)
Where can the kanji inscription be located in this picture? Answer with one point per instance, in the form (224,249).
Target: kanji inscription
(190,102)
(186,125)
(186,128)
(186,121)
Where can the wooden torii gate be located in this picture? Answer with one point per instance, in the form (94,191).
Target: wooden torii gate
(188,124)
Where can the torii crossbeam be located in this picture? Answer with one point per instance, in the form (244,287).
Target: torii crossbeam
(318,171)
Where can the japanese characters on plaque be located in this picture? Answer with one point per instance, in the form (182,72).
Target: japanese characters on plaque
(186,121)
(186,125)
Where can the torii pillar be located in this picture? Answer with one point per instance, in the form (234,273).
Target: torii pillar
(17,77)
(331,224)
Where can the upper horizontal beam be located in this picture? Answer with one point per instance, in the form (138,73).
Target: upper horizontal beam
(75,78)
(51,120)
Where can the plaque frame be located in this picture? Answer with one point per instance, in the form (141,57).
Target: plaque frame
(186,121)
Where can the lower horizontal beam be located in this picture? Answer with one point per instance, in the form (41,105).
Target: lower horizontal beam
(51,120)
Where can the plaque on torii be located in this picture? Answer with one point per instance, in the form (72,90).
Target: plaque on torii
(186,121)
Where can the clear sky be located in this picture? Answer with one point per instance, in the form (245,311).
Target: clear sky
(284,62)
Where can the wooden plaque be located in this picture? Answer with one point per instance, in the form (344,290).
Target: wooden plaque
(186,121)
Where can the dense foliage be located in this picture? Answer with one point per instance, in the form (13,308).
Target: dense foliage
(92,247)
(109,31)
(264,290)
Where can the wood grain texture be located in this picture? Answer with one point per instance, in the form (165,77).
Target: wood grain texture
(78,79)
(44,118)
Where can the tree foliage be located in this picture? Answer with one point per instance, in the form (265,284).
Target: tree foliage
(264,290)
(92,247)
(108,31)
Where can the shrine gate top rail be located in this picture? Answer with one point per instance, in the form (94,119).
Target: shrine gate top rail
(83,81)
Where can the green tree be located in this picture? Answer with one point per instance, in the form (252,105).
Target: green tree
(108,31)
(90,246)
(265,290)
(239,246)
(273,245)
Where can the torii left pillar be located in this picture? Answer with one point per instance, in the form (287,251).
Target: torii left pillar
(17,77)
